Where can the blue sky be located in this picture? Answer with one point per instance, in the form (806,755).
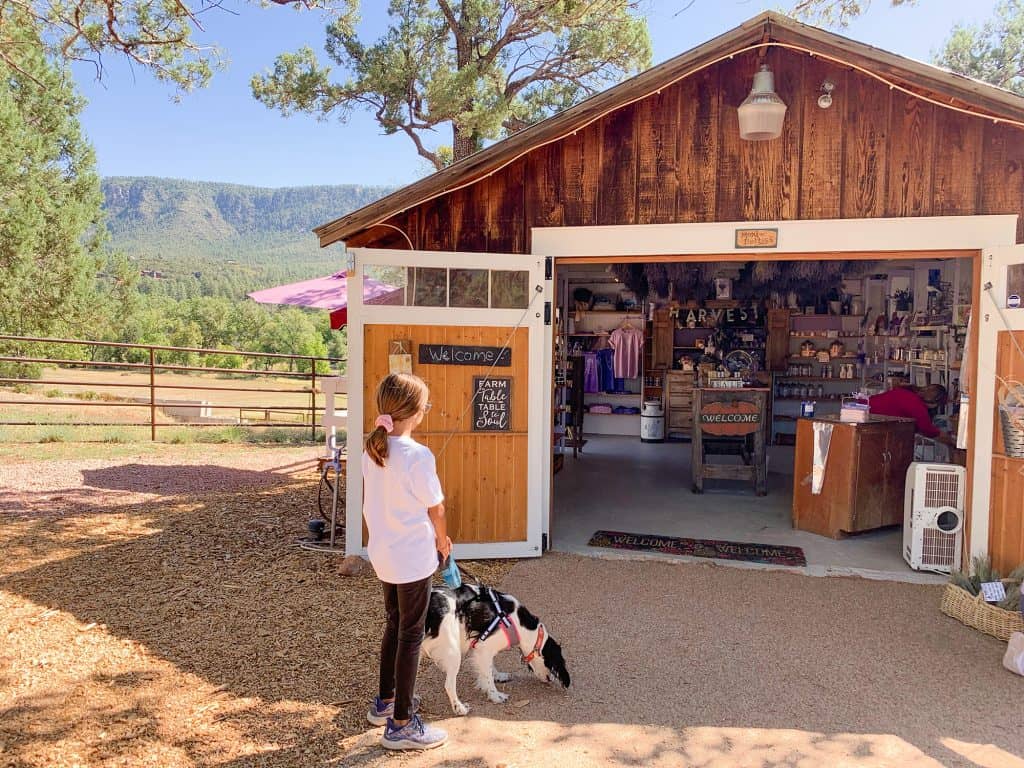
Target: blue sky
(222,134)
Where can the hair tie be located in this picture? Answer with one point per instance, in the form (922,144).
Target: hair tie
(384,420)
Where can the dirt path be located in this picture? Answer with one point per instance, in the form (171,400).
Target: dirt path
(690,665)
(155,612)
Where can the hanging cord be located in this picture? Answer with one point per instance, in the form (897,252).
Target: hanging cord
(1011,386)
(538,290)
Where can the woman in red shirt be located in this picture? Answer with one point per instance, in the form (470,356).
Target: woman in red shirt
(915,403)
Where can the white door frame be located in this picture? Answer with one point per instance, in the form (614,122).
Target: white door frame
(539,428)
(994,263)
(992,235)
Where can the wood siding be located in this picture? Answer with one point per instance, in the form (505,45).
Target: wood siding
(1006,524)
(484,475)
(676,156)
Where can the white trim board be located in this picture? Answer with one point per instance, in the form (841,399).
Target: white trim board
(927,233)
(894,235)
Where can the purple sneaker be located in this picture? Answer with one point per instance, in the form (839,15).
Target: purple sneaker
(413,735)
(380,712)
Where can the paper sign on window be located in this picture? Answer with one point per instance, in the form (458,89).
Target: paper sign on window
(400,356)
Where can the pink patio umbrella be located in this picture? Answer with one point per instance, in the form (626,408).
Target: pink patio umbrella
(330,293)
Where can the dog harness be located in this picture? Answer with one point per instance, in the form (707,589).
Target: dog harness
(501,620)
(507,626)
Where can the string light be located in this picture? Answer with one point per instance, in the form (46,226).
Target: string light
(689,73)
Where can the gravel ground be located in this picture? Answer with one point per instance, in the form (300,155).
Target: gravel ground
(153,611)
(694,665)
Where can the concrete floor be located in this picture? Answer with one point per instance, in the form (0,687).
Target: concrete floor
(619,483)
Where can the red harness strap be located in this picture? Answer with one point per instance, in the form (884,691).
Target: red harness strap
(536,646)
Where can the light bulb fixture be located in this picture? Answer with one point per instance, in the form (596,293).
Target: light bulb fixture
(761,114)
(825,100)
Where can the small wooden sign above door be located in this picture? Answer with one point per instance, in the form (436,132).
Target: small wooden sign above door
(739,417)
(757,238)
(492,407)
(448,354)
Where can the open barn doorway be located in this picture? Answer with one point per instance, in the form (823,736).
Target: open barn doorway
(642,348)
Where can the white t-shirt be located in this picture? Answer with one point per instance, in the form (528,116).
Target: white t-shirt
(402,543)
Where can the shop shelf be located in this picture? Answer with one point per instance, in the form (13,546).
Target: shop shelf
(817,399)
(812,378)
(814,360)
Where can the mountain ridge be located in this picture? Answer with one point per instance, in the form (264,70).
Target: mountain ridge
(224,239)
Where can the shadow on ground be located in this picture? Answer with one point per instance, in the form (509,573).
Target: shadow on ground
(223,644)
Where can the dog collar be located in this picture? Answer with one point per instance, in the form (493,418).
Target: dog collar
(536,646)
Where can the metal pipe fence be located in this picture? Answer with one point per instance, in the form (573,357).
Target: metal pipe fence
(269,412)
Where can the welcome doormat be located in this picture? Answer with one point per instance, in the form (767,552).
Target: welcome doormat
(774,554)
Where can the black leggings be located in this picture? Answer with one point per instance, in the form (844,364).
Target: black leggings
(406,607)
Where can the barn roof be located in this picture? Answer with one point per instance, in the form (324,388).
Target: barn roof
(766,28)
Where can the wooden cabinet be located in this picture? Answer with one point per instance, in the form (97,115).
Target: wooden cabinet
(679,402)
(865,476)
(776,353)
(661,334)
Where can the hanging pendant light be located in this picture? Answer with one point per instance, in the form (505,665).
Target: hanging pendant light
(762,112)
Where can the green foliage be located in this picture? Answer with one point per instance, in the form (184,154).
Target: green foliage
(155,35)
(981,572)
(835,13)
(50,204)
(993,52)
(485,67)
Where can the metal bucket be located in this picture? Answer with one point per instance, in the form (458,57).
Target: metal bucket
(652,422)
(1013,433)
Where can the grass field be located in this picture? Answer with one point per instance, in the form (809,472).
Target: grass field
(89,396)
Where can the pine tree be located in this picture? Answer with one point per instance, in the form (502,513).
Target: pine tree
(51,226)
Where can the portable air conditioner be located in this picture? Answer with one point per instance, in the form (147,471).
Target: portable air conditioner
(933,516)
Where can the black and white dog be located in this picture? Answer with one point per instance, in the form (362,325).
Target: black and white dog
(482,622)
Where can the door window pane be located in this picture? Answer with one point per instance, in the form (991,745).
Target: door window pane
(510,289)
(385,285)
(430,287)
(468,288)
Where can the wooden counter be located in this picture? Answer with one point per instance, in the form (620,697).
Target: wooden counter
(865,475)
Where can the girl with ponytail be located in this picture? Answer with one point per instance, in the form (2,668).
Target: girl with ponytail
(404,513)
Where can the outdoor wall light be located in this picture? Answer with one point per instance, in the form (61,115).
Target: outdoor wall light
(762,112)
(825,100)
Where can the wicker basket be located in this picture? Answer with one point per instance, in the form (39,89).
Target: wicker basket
(973,611)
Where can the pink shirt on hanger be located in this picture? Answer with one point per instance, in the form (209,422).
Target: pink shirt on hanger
(627,343)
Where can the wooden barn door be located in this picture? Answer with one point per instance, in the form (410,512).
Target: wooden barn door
(473,327)
(1000,359)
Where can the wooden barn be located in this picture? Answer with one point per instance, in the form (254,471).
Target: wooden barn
(871,240)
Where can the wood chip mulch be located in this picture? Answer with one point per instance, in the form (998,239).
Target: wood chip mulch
(180,628)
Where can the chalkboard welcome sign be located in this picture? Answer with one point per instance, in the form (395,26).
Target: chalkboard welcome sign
(448,354)
(492,408)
